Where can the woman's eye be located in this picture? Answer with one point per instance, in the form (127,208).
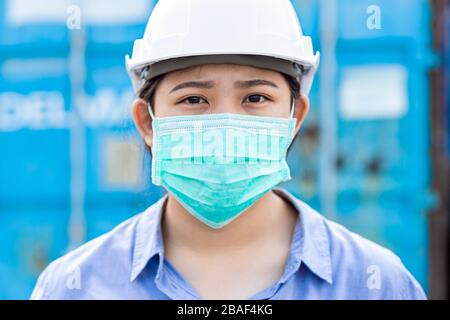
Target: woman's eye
(255,98)
(194,100)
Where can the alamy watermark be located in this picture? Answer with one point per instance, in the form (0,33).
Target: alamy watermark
(373,21)
(225,145)
(73,21)
(373,277)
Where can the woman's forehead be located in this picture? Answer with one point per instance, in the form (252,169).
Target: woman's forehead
(221,70)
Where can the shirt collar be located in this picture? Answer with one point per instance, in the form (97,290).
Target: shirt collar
(310,243)
(148,238)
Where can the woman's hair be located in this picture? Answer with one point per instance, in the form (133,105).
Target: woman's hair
(147,91)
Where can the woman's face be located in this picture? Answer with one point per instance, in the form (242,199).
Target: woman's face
(220,88)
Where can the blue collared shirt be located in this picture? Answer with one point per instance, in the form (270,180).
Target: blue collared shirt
(326,261)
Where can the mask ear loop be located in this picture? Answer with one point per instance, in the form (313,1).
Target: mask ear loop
(152,115)
(292,108)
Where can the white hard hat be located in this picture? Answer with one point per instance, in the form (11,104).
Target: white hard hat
(183,30)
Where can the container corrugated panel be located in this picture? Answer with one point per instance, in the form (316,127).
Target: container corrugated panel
(36,100)
(382,167)
(31,237)
(383,133)
(34,128)
(34,165)
(118,182)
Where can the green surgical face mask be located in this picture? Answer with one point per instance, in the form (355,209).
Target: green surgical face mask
(218,165)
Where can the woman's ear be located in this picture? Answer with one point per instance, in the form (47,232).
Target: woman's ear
(301,111)
(142,120)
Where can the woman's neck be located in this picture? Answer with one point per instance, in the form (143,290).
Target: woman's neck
(266,218)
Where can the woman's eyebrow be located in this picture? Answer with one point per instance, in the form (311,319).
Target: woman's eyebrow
(194,84)
(253,83)
(237,84)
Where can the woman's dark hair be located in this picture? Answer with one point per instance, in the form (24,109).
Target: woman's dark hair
(147,91)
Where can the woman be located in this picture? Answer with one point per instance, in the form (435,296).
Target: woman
(222,91)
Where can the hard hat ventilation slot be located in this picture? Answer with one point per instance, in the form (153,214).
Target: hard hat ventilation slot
(145,72)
